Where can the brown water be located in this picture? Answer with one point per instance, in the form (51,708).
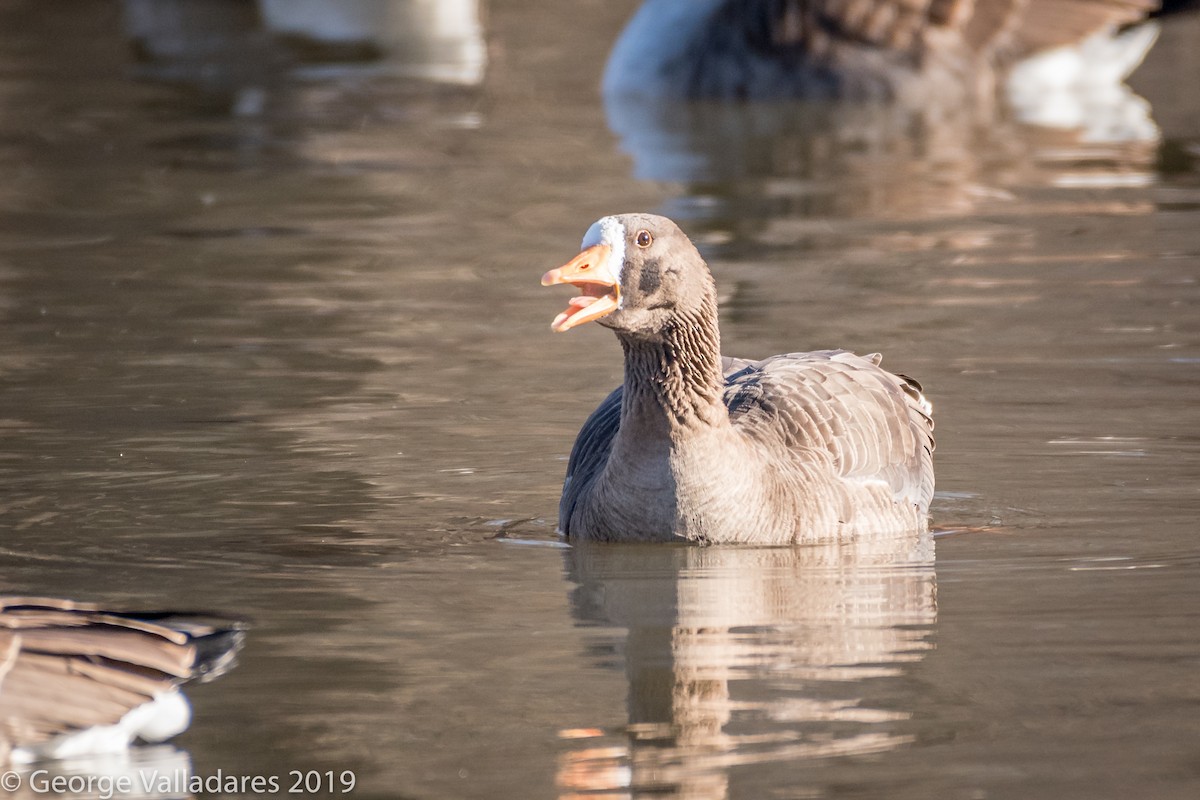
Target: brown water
(272,342)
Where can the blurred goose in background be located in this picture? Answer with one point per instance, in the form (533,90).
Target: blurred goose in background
(79,680)
(240,43)
(440,41)
(802,447)
(874,107)
(862,49)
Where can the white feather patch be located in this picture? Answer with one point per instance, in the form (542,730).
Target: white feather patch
(154,721)
(609,231)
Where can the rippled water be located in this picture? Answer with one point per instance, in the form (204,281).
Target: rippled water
(272,342)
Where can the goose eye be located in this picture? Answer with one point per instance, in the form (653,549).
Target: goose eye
(644,239)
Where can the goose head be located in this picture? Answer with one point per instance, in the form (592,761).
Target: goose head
(636,273)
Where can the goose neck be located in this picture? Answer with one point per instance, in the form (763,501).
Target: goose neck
(675,378)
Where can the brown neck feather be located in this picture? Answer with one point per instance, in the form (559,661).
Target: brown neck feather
(674,379)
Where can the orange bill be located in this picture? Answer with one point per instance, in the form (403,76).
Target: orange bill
(600,291)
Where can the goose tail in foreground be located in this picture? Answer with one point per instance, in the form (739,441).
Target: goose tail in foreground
(77,679)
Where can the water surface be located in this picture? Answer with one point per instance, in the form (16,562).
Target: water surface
(272,341)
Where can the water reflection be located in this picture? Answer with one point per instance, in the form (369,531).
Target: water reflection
(739,163)
(739,656)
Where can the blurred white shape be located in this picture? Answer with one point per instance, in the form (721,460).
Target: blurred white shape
(166,716)
(1082,87)
(1104,180)
(440,40)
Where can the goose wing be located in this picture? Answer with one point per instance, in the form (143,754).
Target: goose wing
(589,454)
(876,426)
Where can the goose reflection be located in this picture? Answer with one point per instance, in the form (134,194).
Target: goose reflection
(738,656)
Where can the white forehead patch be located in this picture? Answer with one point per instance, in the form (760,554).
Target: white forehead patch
(609,231)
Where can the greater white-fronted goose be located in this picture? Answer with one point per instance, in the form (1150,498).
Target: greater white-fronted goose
(747,49)
(794,448)
(76,679)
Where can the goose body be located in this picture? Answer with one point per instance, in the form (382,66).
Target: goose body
(696,447)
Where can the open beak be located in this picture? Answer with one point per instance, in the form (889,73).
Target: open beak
(600,291)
